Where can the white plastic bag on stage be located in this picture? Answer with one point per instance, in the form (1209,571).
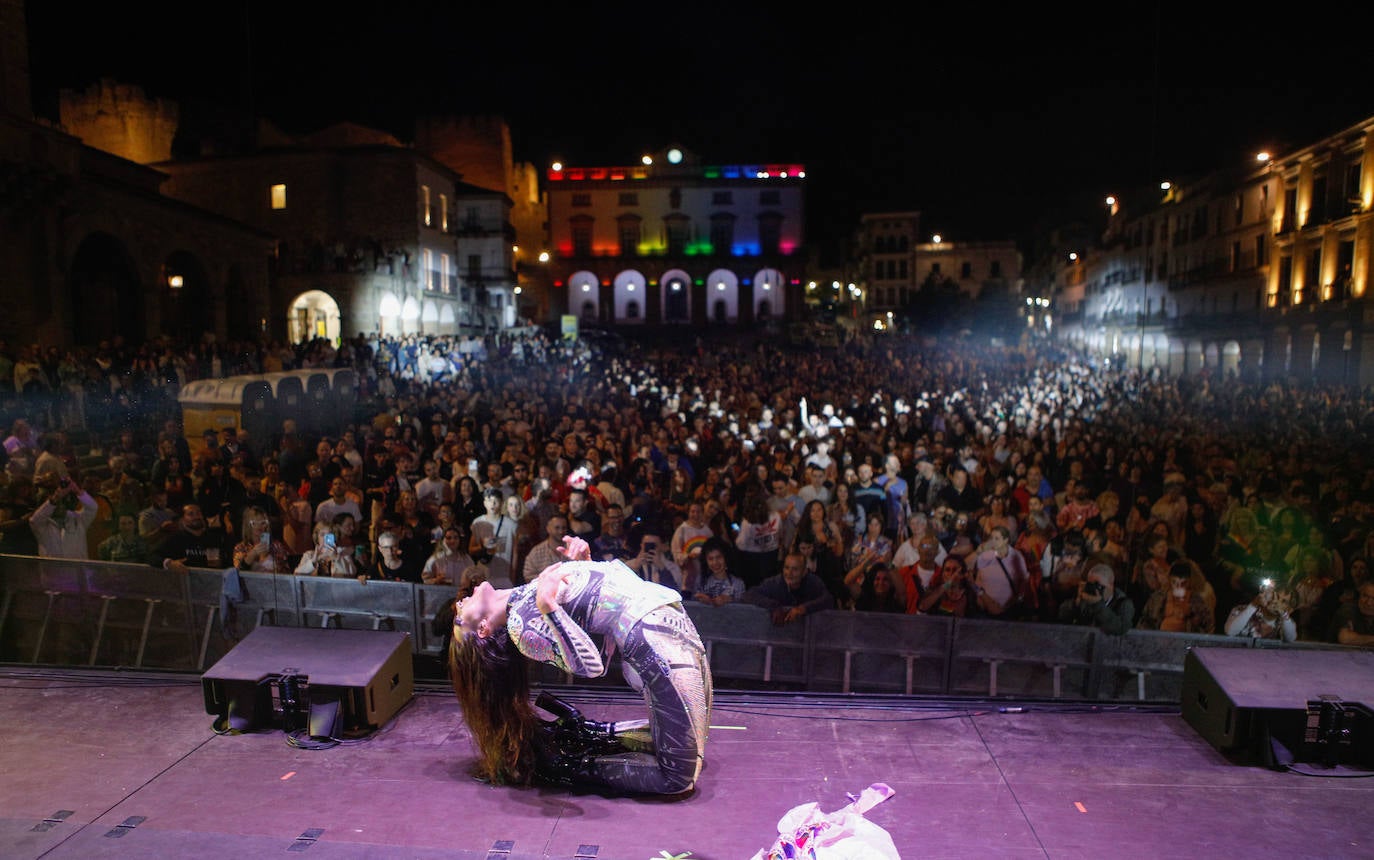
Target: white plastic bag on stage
(806,833)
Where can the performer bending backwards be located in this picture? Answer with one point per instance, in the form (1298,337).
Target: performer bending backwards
(549,620)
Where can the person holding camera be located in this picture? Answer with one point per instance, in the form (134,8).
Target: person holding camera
(950,592)
(257,551)
(654,564)
(325,558)
(1099,603)
(1265,616)
(61,523)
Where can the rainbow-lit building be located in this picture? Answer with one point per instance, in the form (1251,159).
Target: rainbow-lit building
(673,241)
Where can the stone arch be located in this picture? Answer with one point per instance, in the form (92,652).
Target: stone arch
(410,315)
(104,292)
(770,292)
(388,315)
(1230,359)
(186,297)
(629,293)
(675,288)
(584,296)
(314,313)
(722,296)
(1193,359)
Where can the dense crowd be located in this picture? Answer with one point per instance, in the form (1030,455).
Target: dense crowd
(897,475)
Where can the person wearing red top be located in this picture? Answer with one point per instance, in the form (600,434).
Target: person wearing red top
(949,592)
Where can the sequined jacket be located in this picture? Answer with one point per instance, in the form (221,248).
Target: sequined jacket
(602,597)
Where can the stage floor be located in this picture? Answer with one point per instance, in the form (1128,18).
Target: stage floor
(104,764)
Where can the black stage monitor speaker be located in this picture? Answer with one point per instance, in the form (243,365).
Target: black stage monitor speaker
(1311,701)
(326,680)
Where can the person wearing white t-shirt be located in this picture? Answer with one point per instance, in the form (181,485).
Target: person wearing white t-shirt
(337,503)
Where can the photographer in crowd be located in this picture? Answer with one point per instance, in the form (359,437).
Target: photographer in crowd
(654,563)
(61,523)
(1266,616)
(1099,603)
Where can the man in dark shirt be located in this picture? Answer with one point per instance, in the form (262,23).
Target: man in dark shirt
(583,519)
(1354,622)
(1099,604)
(868,495)
(194,544)
(792,594)
(613,542)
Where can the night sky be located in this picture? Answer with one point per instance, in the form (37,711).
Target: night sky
(989,121)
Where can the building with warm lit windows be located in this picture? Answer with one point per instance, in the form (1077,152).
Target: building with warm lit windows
(373,236)
(674,241)
(485,264)
(364,233)
(92,250)
(894,265)
(1261,271)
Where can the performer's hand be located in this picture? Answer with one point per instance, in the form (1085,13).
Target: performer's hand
(575,548)
(547,585)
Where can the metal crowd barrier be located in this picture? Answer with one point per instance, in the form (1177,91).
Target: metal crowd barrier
(878,652)
(97,614)
(1022,656)
(742,643)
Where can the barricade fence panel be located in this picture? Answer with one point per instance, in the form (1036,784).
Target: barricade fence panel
(56,612)
(1028,659)
(353,605)
(877,652)
(1147,665)
(265,598)
(431,601)
(145,619)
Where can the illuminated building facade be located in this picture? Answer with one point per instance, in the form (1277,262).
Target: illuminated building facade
(374,236)
(894,265)
(1260,272)
(676,242)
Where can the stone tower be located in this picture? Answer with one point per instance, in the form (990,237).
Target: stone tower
(16,94)
(120,119)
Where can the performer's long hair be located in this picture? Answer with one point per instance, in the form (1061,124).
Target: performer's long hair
(491,679)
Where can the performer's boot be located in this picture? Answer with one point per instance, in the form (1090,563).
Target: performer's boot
(556,706)
(595,730)
(562,757)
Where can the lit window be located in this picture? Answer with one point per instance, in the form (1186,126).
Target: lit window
(444,273)
(428,257)
(279,196)
(443,212)
(424,197)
